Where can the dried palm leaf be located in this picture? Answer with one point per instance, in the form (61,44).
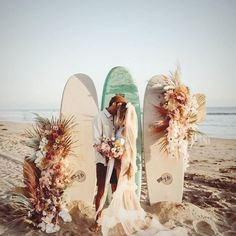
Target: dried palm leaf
(41,121)
(163,142)
(176,77)
(31,180)
(161,110)
(201,100)
(160,126)
(192,118)
(21,190)
(193,135)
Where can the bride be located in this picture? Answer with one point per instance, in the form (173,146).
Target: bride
(124,215)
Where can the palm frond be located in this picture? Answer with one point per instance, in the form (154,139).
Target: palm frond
(163,142)
(192,118)
(31,158)
(161,110)
(176,77)
(20,190)
(160,126)
(31,179)
(201,100)
(194,135)
(41,120)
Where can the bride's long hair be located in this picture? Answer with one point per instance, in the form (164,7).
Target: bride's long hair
(119,119)
(131,132)
(126,117)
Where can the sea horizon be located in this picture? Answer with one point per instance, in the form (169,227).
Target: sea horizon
(220,121)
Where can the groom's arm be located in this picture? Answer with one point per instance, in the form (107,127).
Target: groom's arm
(97,134)
(97,130)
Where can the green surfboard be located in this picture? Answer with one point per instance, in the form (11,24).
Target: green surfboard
(119,82)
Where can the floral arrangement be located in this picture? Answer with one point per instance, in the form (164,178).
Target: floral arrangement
(46,175)
(180,113)
(110,147)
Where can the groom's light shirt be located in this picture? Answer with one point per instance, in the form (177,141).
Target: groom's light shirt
(102,126)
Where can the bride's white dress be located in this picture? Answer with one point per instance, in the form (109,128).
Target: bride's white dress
(124,215)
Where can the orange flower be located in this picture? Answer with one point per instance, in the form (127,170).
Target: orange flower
(182,94)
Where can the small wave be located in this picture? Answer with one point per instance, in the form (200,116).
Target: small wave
(222,113)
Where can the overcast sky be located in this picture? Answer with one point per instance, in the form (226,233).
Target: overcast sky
(43,43)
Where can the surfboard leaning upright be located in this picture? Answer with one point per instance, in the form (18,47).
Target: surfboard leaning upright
(119,81)
(80,100)
(165,176)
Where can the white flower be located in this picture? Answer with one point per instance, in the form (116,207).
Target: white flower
(33,156)
(51,228)
(168,87)
(54,209)
(38,160)
(39,154)
(29,214)
(157,86)
(48,218)
(43,143)
(128,105)
(55,127)
(122,141)
(183,149)
(57,140)
(47,132)
(64,214)
(42,226)
(49,201)
(47,226)
(183,146)
(44,140)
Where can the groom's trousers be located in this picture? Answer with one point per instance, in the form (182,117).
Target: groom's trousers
(101,171)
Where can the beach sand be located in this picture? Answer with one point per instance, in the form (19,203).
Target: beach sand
(209,202)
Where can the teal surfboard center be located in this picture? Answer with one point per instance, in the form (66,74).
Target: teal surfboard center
(119,82)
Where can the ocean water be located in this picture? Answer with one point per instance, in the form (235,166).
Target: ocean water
(26,115)
(220,122)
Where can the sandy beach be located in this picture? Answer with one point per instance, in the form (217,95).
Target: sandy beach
(209,202)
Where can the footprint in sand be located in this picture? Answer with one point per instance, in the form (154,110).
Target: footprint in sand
(229,233)
(230,217)
(203,227)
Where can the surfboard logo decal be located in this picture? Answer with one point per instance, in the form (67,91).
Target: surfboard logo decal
(166,178)
(80,175)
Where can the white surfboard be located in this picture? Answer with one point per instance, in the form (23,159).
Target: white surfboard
(165,176)
(80,100)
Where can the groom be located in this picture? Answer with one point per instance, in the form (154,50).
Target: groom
(104,126)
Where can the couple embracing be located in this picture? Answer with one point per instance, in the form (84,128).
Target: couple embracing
(124,215)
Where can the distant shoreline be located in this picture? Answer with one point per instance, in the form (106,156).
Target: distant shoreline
(220,122)
(28,123)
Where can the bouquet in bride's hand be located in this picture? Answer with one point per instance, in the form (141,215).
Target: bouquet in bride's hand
(118,148)
(110,147)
